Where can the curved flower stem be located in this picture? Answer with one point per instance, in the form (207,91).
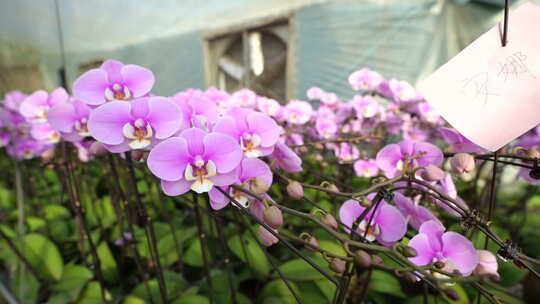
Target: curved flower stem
(271,231)
(204,246)
(148,227)
(79,212)
(225,248)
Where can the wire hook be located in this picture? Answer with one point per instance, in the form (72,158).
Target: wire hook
(505,26)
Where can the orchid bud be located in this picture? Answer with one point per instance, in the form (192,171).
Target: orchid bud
(337,265)
(330,221)
(411,277)
(97,149)
(47,155)
(535,173)
(273,217)
(487,265)
(451,294)
(409,252)
(332,188)
(439,264)
(259,186)
(313,242)
(137,155)
(267,238)
(432,173)
(295,190)
(377,259)
(362,259)
(531,153)
(462,163)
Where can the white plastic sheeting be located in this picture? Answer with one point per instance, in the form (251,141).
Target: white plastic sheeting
(401,38)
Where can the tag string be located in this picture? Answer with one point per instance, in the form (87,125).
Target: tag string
(505,26)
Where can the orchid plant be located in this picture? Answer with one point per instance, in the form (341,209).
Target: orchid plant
(378,174)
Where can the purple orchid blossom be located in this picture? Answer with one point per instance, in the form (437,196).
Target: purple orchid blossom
(245,98)
(391,158)
(285,159)
(270,107)
(403,92)
(387,226)
(113,81)
(26,148)
(198,111)
(432,244)
(298,112)
(366,106)
(346,153)
(71,119)
(415,214)
(255,132)
(195,160)
(447,186)
(35,107)
(365,79)
(123,126)
(45,133)
(249,169)
(366,168)
(458,143)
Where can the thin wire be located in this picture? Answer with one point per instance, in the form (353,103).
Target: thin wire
(505,28)
(62,47)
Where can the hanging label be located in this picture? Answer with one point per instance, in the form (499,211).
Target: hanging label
(490,93)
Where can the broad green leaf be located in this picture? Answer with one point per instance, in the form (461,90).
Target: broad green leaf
(300,270)
(55,212)
(311,293)
(278,289)
(384,282)
(174,283)
(35,223)
(43,255)
(73,278)
(510,274)
(255,255)
(327,288)
(133,300)
(25,286)
(332,247)
(192,299)
(193,254)
(220,289)
(108,263)
(91,294)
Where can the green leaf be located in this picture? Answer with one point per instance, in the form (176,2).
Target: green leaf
(174,283)
(300,270)
(108,263)
(510,274)
(255,255)
(43,255)
(327,288)
(55,212)
(73,278)
(332,247)
(133,300)
(25,286)
(192,299)
(384,282)
(35,223)
(92,294)
(278,289)
(311,293)
(193,255)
